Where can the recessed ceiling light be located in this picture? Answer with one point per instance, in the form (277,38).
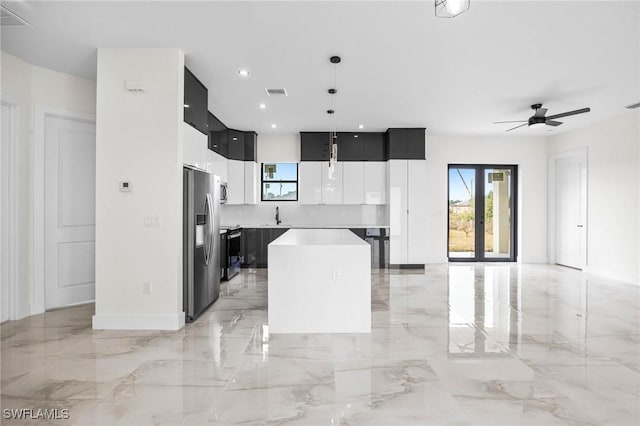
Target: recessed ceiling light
(355,136)
(243,73)
(262,106)
(361,126)
(186,105)
(273,126)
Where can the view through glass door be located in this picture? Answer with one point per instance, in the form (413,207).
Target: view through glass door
(481,228)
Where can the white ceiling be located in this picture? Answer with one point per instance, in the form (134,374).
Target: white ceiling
(402,67)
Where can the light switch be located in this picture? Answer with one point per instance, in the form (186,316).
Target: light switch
(152,221)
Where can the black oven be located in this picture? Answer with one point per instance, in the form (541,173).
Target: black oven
(233,256)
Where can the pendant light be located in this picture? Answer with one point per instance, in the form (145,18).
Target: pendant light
(451,8)
(333,134)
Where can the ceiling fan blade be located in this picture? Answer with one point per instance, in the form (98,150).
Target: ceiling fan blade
(566,114)
(513,128)
(553,123)
(540,112)
(516,121)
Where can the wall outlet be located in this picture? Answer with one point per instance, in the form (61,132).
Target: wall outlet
(125,186)
(337,273)
(146,288)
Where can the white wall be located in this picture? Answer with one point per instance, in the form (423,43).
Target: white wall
(139,138)
(613,200)
(27,87)
(528,153)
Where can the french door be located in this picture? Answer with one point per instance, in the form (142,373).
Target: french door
(482,213)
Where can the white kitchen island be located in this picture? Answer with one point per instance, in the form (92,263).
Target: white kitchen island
(319,282)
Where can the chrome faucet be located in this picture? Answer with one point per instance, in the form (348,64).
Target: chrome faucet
(278,221)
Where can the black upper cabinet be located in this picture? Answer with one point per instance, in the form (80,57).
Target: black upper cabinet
(215,125)
(250,146)
(195,102)
(373,146)
(416,144)
(405,144)
(217,136)
(236,144)
(396,143)
(219,142)
(314,146)
(350,146)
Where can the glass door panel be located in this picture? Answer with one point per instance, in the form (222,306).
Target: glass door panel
(462,212)
(497,213)
(481,227)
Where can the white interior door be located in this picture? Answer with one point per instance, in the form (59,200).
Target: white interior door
(70,182)
(6,129)
(571,211)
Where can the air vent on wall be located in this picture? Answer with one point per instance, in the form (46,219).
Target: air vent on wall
(276,92)
(10,19)
(633,106)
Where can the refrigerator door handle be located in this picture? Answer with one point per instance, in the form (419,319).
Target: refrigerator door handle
(209,243)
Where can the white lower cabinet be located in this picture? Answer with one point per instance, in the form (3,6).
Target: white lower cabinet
(235,184)
(310,182)
(250,182)
(331,183)
(375,182)
(353,182)
(407,207)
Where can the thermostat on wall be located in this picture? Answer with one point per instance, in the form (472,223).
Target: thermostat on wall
(125,186)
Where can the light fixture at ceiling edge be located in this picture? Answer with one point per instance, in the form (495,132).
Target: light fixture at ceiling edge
(451,8)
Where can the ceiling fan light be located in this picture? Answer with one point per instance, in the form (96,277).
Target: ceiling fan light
(451,8)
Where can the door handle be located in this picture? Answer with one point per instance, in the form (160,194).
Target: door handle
(580,226)
(209,211)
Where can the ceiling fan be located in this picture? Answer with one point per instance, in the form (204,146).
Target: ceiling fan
(539,117)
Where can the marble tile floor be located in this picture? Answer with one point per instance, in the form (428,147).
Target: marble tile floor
(458,344)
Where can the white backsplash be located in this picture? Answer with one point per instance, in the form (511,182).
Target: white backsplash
(296,214)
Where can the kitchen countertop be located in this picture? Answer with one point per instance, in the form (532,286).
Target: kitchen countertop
(314,237)
(286,225)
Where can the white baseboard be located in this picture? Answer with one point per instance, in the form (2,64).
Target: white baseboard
(138,322)
(537,260)
(629,279)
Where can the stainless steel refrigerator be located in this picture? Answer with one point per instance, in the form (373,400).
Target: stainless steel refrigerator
(201,241)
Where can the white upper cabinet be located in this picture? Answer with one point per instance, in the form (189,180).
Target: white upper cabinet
(235,184)
(194,148)
(250,182)
(217,165)
(310,182)
(375,182)
(332,184)
(353,182)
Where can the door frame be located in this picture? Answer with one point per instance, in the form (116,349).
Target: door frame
(20,303)
(10,210)
(41,114)
(479,207)
(551,202)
